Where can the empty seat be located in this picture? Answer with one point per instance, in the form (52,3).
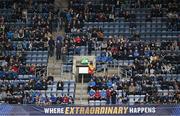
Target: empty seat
(97,102)
(103,102)
(59,92)
(71,90)
(65,92)
(131,99)
(71,94)
(137,98)
(71,81)
(91,102)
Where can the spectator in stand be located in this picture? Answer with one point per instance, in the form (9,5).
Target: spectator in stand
(126,15)
(50,78)
(44,84)
(114,86)
(71,100)
(90,46)
(108,92)
(77,41)
(51,47)
(65,99)
(109,83)
(60,100)
(91,94)
(32,69)
(60,85)
(103,94)
(53,99)
(64,52)
(132,89)
(91,85)
(113,96)
(58,49)
(148,18)
(97,95)
(38,85)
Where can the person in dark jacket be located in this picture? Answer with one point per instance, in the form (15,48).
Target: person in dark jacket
(90,46)
(58,50)
(51,47)
(60,85)
(113,94)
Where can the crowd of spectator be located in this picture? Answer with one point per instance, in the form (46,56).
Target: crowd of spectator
(34,32)
(32,28)
(21,96)
(29,91)
(151,58)
(26,26)
(160,8)
(80,11)
(106,88)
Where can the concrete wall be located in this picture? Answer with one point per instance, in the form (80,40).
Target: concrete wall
(61,3)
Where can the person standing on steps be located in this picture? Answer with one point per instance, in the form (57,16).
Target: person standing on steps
(58,50)
(51,44)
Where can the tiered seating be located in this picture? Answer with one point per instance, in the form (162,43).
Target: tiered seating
(39,58)
(147,30)
(24,52)
(137,26)
(68,89)
(47,90)
(147,90)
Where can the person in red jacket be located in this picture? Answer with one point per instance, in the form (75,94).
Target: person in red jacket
(77,40)
(108,93)
(15,68)
(66,99)
(91,68)
(32,69)
(97,95)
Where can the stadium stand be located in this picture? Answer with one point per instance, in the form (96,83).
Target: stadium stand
(138,37)
(26,28)
(141,35)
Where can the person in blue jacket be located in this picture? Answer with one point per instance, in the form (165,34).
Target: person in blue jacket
(53,99)
(91,94)
(91,84)
(103,94)
(109,83)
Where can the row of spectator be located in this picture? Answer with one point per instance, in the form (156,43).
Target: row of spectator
(34,98)
(107,88)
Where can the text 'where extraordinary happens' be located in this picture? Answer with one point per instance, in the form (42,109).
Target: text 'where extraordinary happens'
(100,110)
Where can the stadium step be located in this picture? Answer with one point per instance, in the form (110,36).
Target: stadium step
(81,102)
(83,98)
(81,94)
(84,86)
(66,76)
(54,68)
(52,71)
(57,77)
(110,72)
(61,3)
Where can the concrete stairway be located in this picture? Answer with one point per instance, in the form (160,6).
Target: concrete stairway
(61,3)
(81,96)
(110,72)
(54,68)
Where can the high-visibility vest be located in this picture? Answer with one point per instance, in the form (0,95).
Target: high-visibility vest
(91,69)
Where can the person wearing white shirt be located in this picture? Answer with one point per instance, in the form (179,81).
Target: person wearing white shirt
(152,71)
